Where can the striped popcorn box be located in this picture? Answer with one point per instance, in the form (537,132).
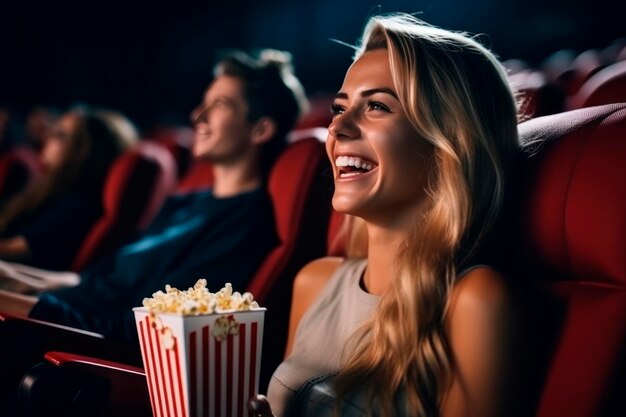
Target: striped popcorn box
(201,366)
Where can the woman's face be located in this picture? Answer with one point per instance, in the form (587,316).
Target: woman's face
(380,163)
(56,143)
(222,131)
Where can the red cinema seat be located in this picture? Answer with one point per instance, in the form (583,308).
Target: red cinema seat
(606,86)
(540,96)
(198,176)
(135,188)
(179,141)
(583,66)
(574,240)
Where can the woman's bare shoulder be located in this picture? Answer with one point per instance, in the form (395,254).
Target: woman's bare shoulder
(481,298)
(314,275)
(480,287)
(322,265)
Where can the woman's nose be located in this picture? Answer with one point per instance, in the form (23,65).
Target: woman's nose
(344,126)
(196,114)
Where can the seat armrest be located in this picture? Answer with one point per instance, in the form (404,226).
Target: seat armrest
(96,366)
(41,336)
(83,385)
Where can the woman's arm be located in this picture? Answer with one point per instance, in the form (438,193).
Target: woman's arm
(24,278)
(479,326)
(16,303)
(306,287)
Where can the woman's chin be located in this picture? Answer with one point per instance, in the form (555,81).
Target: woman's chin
(347,205)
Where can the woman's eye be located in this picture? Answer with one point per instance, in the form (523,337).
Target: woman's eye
(376,105)
(336,109)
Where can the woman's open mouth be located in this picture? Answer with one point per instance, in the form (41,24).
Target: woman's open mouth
(352,166)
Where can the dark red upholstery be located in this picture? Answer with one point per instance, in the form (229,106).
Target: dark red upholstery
(18,167)
(583,66)
(179,141)
(574,236)
(295,186)
(135,188)
(541,96)
(300,193)
(606,86)
(336,241)
(198,176)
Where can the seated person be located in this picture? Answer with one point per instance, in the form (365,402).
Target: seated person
(221,234)
(418,320)
(45,224)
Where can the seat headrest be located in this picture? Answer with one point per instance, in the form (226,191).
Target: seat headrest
(574,202)
(290,181)
(604,87)
(142,177)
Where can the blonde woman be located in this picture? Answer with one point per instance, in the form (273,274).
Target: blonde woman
(415,322)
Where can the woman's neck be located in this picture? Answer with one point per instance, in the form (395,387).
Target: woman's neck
(382,250)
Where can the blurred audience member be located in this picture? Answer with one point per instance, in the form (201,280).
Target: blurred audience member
(45,224)
(39,122)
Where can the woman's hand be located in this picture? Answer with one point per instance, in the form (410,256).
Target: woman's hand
(260,406)
(9,279)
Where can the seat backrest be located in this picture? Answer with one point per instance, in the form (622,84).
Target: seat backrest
(135,188)
(178,139)
(198,176)
(606,86)
(540,95)
(300,194)
(583,66)
(574,239)
(297,190)
(18,167)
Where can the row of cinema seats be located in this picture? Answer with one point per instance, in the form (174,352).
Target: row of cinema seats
(572,227)
(568,81)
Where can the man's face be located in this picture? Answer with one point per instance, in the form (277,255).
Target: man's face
(222,129)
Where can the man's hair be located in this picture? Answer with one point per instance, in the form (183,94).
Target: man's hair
(271,89)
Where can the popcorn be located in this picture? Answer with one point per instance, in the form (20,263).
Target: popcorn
(201,350)
(199,300)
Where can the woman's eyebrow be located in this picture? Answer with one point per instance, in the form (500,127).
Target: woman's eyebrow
(370,92)
(384,90)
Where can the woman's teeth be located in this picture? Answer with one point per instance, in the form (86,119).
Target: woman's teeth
(353,161)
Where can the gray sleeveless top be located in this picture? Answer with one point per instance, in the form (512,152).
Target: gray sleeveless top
(322,334)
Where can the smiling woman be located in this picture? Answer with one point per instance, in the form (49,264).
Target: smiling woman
(370,125)
(422,139)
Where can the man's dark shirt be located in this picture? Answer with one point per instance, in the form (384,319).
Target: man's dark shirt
(194,236)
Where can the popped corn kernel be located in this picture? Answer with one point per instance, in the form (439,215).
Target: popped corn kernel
(198,300)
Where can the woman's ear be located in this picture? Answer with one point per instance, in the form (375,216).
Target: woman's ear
(263,130)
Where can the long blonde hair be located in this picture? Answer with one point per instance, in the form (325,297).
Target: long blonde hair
(456,95)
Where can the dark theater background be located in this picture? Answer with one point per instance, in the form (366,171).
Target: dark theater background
(151,60)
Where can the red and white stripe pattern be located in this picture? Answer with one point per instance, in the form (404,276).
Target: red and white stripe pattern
(205,378)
